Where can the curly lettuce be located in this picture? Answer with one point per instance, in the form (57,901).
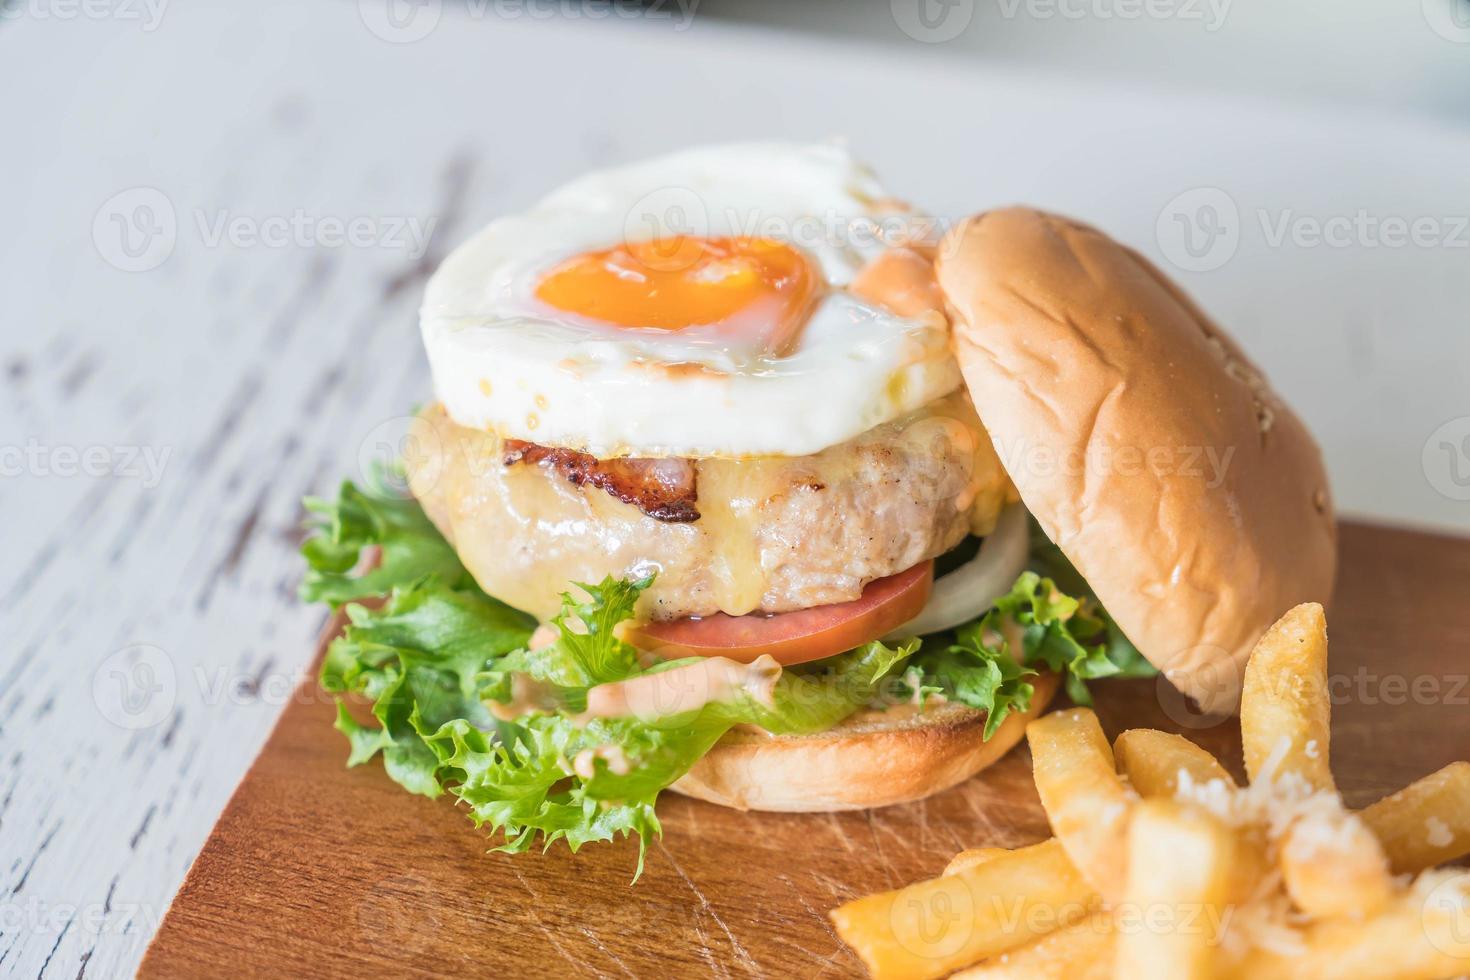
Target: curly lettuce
(343,530)
(1070,636)
(436,652)
(439,663)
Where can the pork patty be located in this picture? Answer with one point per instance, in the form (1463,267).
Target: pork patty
(772,533)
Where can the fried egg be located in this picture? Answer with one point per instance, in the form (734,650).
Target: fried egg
(692,305)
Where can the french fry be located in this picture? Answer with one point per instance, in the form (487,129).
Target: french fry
(1427,822)
(1085,800)
(1172,870)
(1152,761)
(935,927)
(1178,886)
(1422,935)
(1333,865)
(972,857)
(1285,706)
(1081,951)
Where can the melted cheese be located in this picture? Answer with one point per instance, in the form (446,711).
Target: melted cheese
(776,532)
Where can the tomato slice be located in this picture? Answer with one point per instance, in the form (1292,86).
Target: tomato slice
(794,637)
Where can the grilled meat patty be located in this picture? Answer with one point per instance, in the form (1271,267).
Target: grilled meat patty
(770,533)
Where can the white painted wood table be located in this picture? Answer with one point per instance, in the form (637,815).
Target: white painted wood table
(217,222)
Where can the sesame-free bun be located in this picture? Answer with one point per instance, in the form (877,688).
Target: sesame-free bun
(874,758)
(1145,443)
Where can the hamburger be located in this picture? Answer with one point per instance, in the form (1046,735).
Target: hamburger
(746,480)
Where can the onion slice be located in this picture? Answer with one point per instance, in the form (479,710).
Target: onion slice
(971,589)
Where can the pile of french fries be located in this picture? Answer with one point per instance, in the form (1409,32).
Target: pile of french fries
(1163,867)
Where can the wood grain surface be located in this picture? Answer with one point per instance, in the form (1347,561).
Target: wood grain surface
(314,869)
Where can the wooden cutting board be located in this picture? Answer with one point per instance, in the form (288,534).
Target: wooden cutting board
(314,869)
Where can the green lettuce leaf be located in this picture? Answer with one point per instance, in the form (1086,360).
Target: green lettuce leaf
(418,652)
(436,650)
(408,544)
(1071,636)
(586,651)
(581,780)
(434,654)
(979,671)
(417,657)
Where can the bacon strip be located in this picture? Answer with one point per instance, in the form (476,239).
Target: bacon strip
(662,488)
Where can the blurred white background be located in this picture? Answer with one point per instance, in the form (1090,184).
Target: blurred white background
(1404,55)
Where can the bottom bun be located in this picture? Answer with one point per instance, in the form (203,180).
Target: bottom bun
(873,758)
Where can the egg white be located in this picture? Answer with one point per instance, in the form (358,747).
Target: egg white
(504,363)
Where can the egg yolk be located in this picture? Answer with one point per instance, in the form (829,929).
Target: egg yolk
(753,285)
